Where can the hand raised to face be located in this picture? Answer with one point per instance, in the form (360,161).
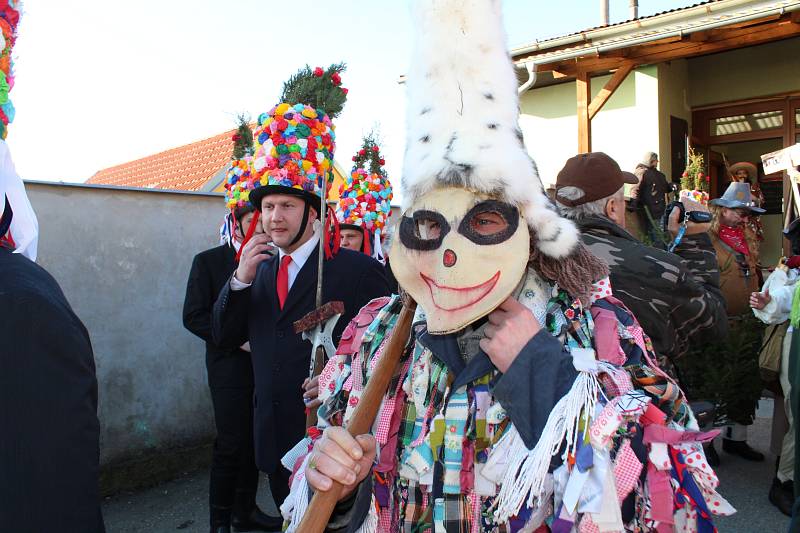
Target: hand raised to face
(511,326)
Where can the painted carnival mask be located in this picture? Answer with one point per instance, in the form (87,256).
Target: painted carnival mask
(459,255)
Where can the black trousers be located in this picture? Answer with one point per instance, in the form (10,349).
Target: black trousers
(234,476)
(279,485)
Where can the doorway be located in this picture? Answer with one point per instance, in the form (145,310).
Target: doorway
(743,132)
(679,144)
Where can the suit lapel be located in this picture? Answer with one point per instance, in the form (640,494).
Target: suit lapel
(268,273)
(306,281)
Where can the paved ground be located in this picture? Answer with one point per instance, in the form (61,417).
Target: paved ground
(181,505)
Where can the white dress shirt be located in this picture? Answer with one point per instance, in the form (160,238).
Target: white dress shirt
(299,258)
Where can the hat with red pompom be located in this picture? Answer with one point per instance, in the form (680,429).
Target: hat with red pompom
(295,140)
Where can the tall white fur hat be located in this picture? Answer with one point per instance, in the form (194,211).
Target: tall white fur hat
(462,113)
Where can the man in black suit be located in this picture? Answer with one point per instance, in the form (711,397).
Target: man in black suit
(234,476)
(263,299)
(49,431)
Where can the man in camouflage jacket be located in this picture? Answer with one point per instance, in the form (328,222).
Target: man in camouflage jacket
(675,296)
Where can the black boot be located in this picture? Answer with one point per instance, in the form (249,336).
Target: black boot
(782,496)
(742,449)
(220,519)
(248,517)
(711,454)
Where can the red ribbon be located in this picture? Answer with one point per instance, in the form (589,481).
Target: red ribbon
(331,229)
(367,248)
(250,230)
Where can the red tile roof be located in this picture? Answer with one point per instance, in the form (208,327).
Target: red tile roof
(186,168)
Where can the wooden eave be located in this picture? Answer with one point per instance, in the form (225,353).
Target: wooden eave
(750,33)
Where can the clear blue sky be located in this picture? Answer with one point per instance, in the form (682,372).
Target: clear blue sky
(101,82)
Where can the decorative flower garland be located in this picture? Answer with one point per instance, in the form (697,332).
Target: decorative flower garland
(9,18)
(694,182)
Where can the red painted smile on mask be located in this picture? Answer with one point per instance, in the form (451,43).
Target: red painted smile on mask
(459,297)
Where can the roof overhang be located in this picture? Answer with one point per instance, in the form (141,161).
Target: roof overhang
(698,30)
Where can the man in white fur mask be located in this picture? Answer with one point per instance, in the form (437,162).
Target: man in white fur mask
(527,398)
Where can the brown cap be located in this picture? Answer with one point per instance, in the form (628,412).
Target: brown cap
(596,174)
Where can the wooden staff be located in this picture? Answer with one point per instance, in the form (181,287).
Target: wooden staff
(316,517)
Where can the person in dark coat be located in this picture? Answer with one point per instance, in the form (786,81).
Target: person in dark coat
(266,295)
(652,196)
(49,449)
(280,356)
(234,476)
(690,308)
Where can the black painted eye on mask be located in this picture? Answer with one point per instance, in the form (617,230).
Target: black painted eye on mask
(490,222)
(424,231)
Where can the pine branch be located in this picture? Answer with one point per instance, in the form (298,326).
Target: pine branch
(320,89)
(369,155)
(242,139)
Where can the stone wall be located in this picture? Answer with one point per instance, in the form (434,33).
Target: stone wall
(122,258)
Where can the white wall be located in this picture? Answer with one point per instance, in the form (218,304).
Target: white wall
(625,128)
(764,70)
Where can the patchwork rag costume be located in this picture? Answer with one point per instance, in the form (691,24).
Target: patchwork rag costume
(365,198)
(583,432)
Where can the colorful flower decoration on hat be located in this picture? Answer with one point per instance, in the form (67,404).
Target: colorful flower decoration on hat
(238,185)
(365,197)
(9,18)
(239,180)
(295,140)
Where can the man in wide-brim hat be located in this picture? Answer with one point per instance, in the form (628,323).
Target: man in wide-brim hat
(738,196)
(745,172)
(737,255)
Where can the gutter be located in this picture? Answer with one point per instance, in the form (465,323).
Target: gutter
(596,50)
(643,23)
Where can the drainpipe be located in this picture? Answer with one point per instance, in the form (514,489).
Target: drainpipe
(634,8)
(530,66)
(604,12)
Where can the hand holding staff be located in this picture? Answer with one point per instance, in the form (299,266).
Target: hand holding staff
(350,462)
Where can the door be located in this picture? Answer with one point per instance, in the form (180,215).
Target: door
(718,172)
(794,120)
(679,138)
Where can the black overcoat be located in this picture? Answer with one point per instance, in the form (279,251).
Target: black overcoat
(280,356)
(49,431)
(211,270)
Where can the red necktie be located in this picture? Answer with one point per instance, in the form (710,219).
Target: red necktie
(283,279)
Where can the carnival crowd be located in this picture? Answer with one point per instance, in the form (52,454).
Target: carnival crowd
(506,358)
